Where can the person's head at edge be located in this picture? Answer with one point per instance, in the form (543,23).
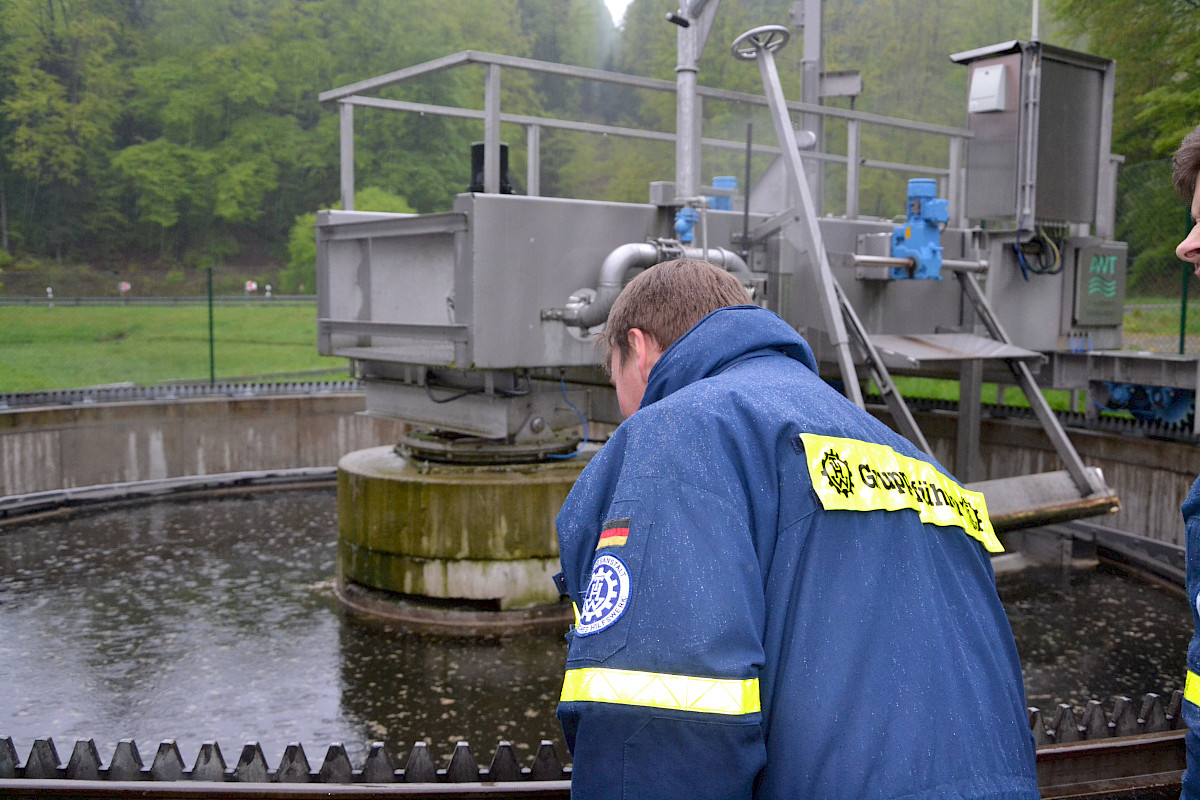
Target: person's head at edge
(655,309)
(1186,168)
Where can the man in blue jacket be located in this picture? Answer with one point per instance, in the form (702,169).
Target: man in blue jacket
(776,596)
(1186,168)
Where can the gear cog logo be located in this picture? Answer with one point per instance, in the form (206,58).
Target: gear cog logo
(837,472)
(607,595)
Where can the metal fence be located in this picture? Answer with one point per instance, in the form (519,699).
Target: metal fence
(189,300)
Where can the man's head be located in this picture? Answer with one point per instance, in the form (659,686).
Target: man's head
(655,309)
(1187,166)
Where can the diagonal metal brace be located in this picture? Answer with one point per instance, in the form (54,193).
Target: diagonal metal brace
(879,372)
(758,45)
(1087,481)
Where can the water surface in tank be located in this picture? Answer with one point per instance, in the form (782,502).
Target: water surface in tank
(215,620)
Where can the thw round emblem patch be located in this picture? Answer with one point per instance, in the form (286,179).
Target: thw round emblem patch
(607,595)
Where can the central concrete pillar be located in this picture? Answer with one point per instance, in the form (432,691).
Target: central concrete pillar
(480,536)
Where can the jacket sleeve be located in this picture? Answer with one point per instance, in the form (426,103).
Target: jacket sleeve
(1191,711)
(661,693)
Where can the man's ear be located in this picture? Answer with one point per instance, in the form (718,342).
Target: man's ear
(645,352)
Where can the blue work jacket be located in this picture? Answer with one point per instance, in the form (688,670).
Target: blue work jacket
(1191,692)
(745,630)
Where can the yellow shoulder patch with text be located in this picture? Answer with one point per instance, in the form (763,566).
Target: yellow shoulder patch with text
(852,475)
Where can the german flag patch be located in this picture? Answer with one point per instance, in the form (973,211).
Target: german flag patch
(615,533)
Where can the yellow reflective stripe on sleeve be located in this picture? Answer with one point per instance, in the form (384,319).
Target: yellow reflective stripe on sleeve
(1191,688)
(851,475)
(656,690)
(575,608)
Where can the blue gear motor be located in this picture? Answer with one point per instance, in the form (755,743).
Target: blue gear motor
(685,223)
(921,237)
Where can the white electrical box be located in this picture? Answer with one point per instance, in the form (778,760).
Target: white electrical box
(988,89)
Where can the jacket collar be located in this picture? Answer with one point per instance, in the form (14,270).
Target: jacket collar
(718,341)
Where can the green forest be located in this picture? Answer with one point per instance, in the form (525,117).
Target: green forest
(178,135)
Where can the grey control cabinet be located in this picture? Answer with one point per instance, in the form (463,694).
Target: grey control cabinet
(1041,122)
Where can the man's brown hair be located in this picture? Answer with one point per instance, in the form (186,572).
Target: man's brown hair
(666,300)
(1187,165)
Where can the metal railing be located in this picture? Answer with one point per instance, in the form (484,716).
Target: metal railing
(355,94)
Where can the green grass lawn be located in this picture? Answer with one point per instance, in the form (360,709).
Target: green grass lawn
(1160,322)
(64,347)
(71,346)
(938,389)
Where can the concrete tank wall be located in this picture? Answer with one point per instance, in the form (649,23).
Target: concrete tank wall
(63,447)
(1151,476)
(50,448)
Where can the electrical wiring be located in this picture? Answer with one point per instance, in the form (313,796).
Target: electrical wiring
(562,385)
(1040,255)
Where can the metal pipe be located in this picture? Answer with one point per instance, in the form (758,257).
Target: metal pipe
(725,259)
(882,261)
(690,42)
(687,127)
(590,307)
(908,263)
(964,266)
(586,311)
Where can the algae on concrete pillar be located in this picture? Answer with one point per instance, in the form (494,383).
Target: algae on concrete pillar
(479,533)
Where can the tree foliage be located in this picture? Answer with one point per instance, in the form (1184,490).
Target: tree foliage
(1156,45)
(187,130)
(1157,49)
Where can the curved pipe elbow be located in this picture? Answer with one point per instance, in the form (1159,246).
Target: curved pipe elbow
(726,259)
(586,308)
(586,313)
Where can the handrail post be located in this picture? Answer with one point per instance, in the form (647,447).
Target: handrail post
(954,183)
(533,160)
(491,130)
(346,137)
(853,144)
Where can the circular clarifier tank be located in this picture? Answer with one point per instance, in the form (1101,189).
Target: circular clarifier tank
(447,540)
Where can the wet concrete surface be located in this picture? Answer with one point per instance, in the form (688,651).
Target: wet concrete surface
(216,620)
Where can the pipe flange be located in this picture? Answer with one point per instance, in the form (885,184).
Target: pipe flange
(448,447)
